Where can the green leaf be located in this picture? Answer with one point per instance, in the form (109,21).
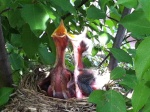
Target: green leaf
(103,3)
(142,58)
(128,3)
(121,55)
(4,4)
(136,24)
(35,15)
(16,40)
(96,97)
(147,106)
(95,13)
(30,42)
(140,96)
(129,80)
(46,57)
(113,102)
(117,73)
(65,5)
(87,62)
(104,38)
(94,27)
(94,51)
(15,19)
(16,61)
(145,7)
(4,95)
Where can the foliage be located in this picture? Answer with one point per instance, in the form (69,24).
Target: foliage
(4,95)
(28,25)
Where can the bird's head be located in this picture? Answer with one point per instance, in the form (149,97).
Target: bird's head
(60,31)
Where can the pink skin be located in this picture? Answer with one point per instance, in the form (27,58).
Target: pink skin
(79,70)
(60,82)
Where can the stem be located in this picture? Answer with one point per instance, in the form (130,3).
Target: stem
(118,40)
(5,69)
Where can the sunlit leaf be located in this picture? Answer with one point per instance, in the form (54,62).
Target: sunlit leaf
(128,3)
(140,96)
(142,58)
(145,7)
(35,15)
(137,24)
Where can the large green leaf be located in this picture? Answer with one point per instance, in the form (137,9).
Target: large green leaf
(95,13)
(103,3)
(145,6)
(30,42)
(16,61)
(35,15)
(147,106)
(142,59)
(16,40)
(121,55)
(4,4)
(117,73)
(113,102)
(46,57)
(136,24)
(65,5)
(128,3)
(140,96)
(129,80)
(96,97)
(15,19)
(4,95)
(106,101)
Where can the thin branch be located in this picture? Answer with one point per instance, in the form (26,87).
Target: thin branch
(112,19)
(128,42)
(5,10)
(104,60)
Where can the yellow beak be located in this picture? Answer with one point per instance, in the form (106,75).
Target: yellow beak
(60,31)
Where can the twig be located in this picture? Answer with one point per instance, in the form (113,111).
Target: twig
(104,60)
(128,42)
(5,10)
(112,18)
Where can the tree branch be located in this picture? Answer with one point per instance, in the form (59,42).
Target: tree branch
(5,69)
(118,40)
(104,60)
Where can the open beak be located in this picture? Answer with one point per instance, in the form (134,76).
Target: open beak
(60,31)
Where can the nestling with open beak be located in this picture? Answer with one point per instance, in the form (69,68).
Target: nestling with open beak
(60,81)
(84,78)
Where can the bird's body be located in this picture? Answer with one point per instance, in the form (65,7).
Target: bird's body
(84,78)
(60,78)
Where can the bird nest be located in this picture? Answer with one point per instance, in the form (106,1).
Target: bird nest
(29,98)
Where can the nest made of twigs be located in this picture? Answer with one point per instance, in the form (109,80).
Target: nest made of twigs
(29,98)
